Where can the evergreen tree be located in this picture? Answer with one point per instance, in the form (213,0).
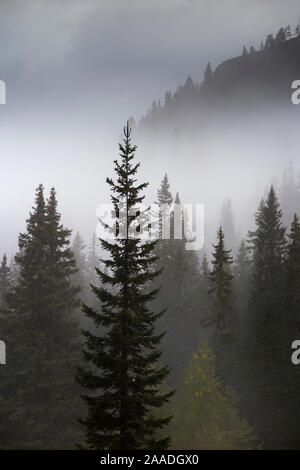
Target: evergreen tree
(270,41)
(292,332)
(124,379)
(205,415)
(41,336)
(242,274)
(222,307)
(280,36)
(266,323)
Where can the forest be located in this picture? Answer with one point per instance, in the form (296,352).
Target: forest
(151,345)
(128,343)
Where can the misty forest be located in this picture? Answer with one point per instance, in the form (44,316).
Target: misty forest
(129,343)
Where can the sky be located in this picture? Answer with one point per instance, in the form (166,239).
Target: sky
(76,70)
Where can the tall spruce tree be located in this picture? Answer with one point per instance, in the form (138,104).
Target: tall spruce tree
(221,281)
(292,332)
(222,308)
(38,387)
(265,348)
(124,378)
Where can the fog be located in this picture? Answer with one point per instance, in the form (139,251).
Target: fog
(75,71)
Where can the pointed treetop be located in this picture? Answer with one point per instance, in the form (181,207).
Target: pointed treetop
(164,195)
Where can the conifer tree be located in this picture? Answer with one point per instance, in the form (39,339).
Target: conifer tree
(124,378)
(205,415)
(208,74)
(221,281)
(222,309)
(41,336)
(292,332)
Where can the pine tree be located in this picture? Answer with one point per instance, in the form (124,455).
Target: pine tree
(123,382)
(41,336)
(205,415)
(221,281)
(266,320)
(270,41)
(289,195)
(222,315)
(280,36)
(291,332)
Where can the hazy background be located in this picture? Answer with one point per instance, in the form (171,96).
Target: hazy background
(76,70)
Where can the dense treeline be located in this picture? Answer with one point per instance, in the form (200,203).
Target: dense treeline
(217,326)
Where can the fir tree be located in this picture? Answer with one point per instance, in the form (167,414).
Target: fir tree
(266,319)
(5,283)
(221,280)
(124,379)
(41,336)
(222,309)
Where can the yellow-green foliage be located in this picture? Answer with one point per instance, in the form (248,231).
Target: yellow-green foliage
(205,417)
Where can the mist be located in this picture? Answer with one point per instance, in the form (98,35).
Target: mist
(76,72)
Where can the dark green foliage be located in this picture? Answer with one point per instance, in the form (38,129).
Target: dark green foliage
(222,315)
(179,292)
(266,321)
(41,337)
(221,286)
(124,377)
